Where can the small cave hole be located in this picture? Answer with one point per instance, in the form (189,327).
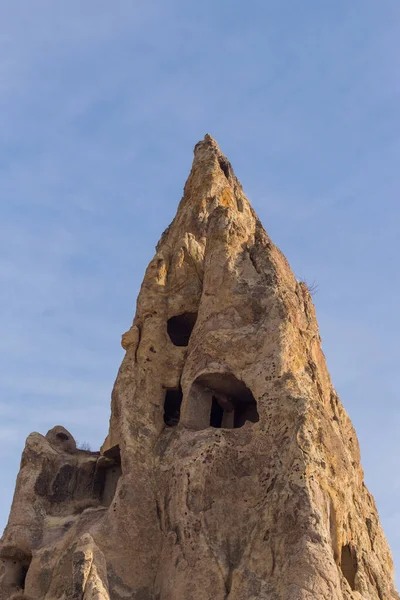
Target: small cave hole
(225,166)
(172,406)
(107,475)
(348,564)
(180,328)
(62,436)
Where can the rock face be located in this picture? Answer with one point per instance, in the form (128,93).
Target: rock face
(231,470)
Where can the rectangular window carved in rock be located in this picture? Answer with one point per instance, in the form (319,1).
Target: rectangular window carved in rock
(172,406)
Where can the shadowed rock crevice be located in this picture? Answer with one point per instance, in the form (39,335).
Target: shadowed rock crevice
(225,166)
(348,564)
(108,473)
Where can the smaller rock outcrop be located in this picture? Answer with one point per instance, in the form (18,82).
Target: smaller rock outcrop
(60,492)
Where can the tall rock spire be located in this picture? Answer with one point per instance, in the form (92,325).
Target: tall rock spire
(231,470)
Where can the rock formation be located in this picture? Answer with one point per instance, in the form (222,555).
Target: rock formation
(231,470)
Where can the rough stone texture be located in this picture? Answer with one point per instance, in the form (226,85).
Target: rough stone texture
(271,505)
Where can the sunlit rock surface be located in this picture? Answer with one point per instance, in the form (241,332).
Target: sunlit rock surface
(231,470)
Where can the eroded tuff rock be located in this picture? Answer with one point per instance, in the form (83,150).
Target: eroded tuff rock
(231,470)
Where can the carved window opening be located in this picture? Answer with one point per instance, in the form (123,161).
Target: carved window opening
(22,573)
(172,406)
(107,475)
(220,400)
(180,328)
(14,572)
(348,564)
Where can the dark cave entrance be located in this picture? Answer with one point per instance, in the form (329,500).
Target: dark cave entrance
(22,573)
(225,166)
(180,328)
(14,572)
(172,406)
(221,400)
(217,414)
(348,564)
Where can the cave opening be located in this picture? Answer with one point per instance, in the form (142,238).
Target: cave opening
(14,571)
(222,401)
(172,406)
(180,328)
(217,414)
(348,564)
(22,573)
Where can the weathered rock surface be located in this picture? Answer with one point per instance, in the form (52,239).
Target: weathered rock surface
(231,470)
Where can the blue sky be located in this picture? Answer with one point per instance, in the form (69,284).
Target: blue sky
(100,106)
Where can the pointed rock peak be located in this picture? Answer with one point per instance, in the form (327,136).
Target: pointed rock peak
(207,152)
(208,142)
(211,184)
(209,138)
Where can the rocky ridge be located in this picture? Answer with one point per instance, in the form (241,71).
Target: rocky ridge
(231,470)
